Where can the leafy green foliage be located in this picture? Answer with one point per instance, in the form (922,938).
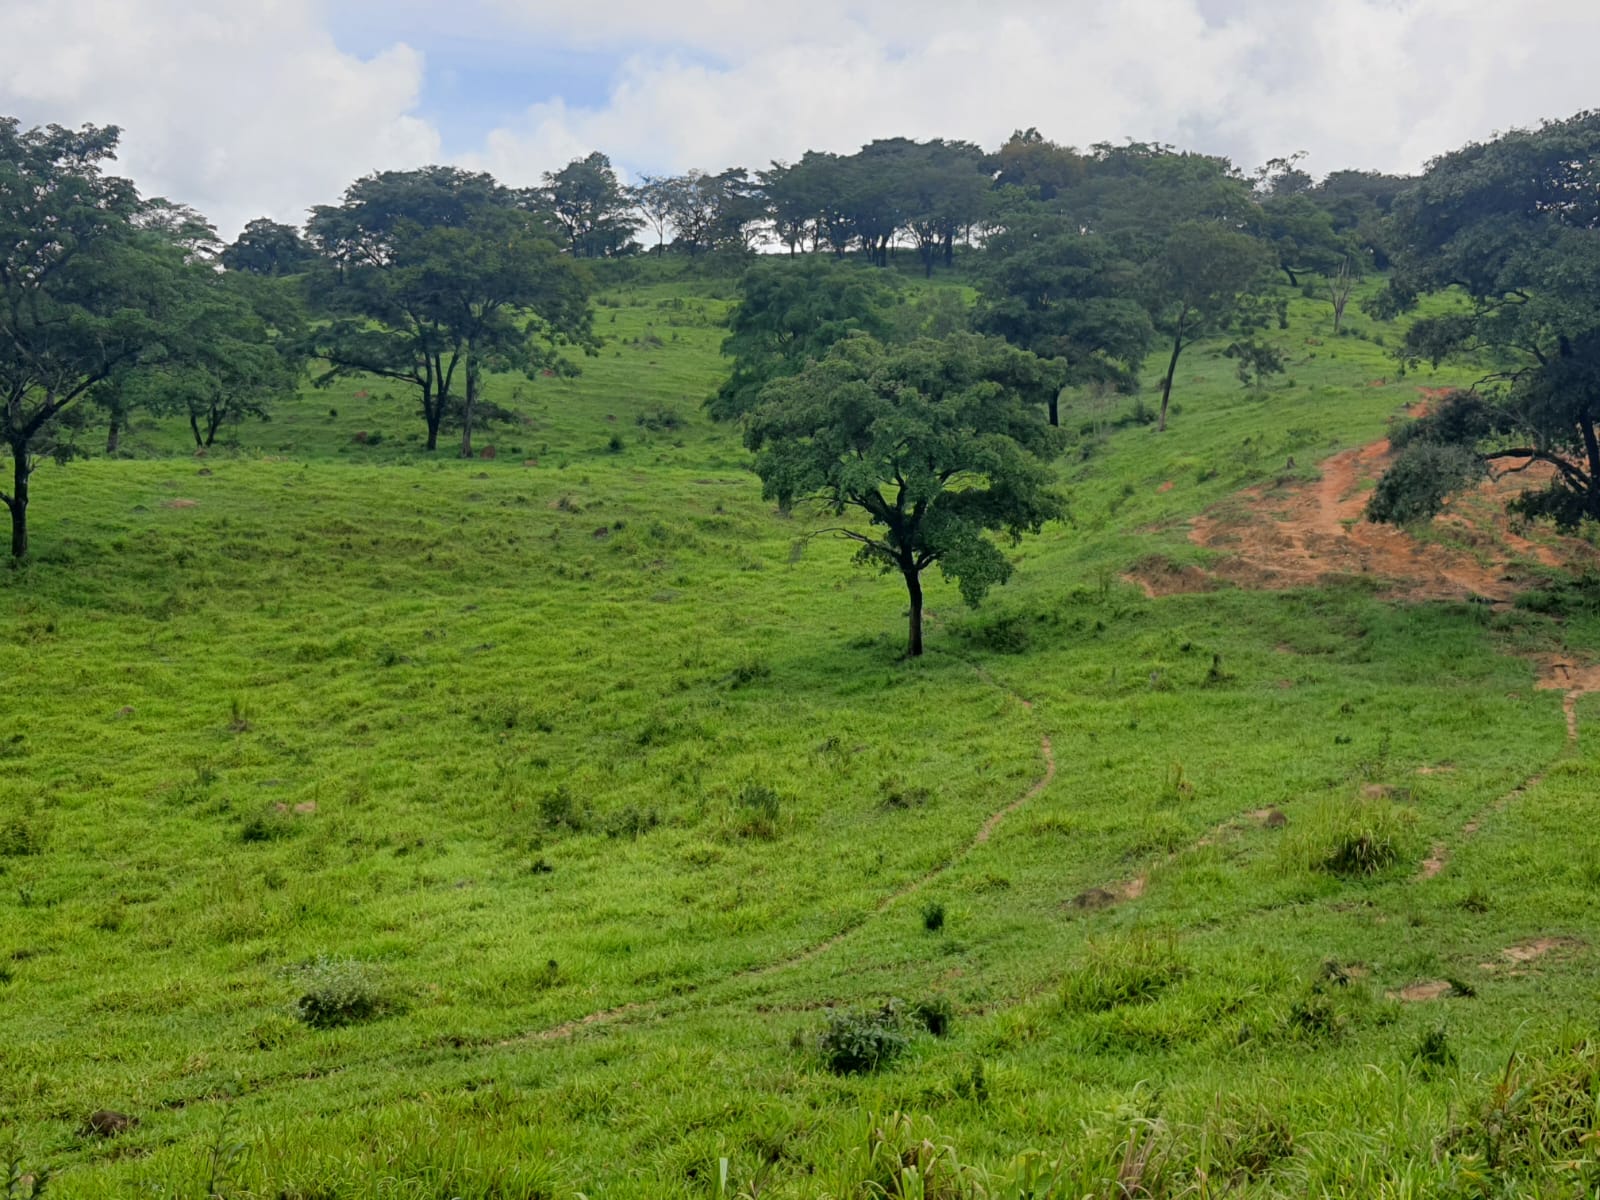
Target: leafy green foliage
(86,292)
(430,278)
(267,247)
(1048,288)
(854,1041)
(1359,836)
(339,991)
(1131,969)
(788,315)
(1514,225)
(1207,281)
(934,444)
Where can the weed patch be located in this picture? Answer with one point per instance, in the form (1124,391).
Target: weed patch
(1129,969)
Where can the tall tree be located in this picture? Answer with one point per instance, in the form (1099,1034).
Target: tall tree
(1513,227)
(238,349)
(510,298)
(1301,236)
(790,313)
(423,266)
(714,212)
(923,447)
(654,200)
(946,194)
(1139,193)
(1040,169)
(85,292)
(1207,281)
(592,206)
(1066,296)
(265,247)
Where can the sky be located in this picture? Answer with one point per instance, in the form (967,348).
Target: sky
(246,108)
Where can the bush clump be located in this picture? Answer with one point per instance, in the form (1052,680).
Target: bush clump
(339,991)
(858,1040)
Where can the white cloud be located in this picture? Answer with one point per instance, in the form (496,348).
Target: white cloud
(240,109)
(1367,83)
(243,107)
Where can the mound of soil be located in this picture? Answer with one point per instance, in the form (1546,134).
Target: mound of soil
(1299,534)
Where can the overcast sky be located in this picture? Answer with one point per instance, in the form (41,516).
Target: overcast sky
(245,108)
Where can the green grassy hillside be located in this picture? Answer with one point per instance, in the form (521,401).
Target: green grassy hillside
(590,804)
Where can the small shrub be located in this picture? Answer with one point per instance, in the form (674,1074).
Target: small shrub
(1433,1051)
(630,821)
(855,1040)
(1540,1112)
(615,444)
(897,794)
(338,991)
(268,826)
(1248,1141)
(21,1183)
(659,418)
(1004,634)
(1130,969)
(1331,1003)
(21,836)
(933,917)
(935,1014)
(748,672)
(272,1031)
(1177,787)
(558,809)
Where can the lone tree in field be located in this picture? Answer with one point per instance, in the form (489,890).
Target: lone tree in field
(1513,225)
(922,445)
(1207,281)
(86,292)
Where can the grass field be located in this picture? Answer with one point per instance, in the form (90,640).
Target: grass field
(373,825)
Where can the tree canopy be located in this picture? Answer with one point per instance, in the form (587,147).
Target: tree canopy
(790,314)
(87,291)
(429,276)
(924,446)
(1513,226)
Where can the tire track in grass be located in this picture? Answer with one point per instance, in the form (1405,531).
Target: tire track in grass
(1574,681)
(985,831)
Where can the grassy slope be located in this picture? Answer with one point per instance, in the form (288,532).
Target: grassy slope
(445,659)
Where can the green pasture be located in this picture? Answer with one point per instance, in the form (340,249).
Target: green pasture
(590,790)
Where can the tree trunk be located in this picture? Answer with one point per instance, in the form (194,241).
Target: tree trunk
(194,427)
(1166,382)
(1293,282)
(914,589)
(468,407)
(433,414)
(1055,408)
(17,502)
(1591,445)
(114,434)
